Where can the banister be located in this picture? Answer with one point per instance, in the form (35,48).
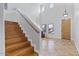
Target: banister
(30,22)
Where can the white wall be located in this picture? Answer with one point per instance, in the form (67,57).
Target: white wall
(32,10)
(2,44)
(54,15)
(76,26)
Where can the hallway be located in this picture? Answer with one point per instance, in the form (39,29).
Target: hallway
(57,47)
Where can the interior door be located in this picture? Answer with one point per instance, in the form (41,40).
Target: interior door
(66,28)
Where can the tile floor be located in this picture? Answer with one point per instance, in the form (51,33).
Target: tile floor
(57,47)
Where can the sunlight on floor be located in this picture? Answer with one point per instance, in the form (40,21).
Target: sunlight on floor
(57,47)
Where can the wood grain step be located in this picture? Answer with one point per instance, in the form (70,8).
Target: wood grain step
(16,43)
(16,46)
(13,32)
(10,22)
(15,40)
(14,36)
(14,25)
(11,29)
(22,52)
(34,54)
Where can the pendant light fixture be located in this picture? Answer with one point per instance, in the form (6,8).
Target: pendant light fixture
(65,14)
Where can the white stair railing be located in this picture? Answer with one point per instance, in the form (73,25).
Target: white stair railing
(30,22)
(31,28)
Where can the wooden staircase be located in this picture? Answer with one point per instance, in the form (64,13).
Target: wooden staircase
(16,44)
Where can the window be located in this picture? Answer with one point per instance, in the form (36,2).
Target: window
(50,28)
(51,5)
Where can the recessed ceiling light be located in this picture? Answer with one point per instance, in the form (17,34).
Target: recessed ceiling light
(65,13)
(41,3)
(51,5)
(43,9)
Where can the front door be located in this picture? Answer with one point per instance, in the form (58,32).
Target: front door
(66,28)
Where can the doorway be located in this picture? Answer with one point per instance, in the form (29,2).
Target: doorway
(66,28)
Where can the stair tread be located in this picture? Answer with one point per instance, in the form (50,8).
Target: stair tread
(23,51)
(17,37)
(14,36)
(15,40)
(16,43)
(34,54)
(17,46)
(10,22)
(14,29)
(20,43)
(11,32)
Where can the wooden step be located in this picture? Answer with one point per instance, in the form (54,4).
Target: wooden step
(16,46)
(14,36)
(14,31)
(22,52)
(34,54)
(15,40)
(16,43)
(12,26)
(10,22)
